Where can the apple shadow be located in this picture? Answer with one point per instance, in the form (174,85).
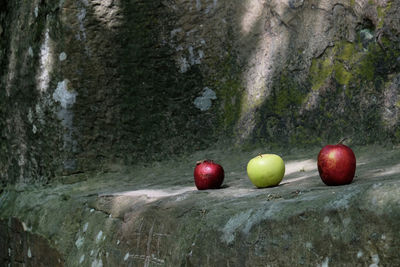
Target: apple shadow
(267,187)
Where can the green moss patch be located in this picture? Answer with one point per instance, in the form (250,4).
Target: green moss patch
(336,63)
(226,82)
(349,62)
(276,117)
(382,13)
(320,71)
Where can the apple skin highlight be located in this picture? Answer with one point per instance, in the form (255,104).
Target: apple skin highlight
(208,175)
(336,164)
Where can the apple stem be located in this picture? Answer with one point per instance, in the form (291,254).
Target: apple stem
(203,160)
(342,140)
(260,155)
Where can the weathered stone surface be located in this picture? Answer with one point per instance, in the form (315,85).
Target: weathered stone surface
(91,91)
(85,84)
(19,247)
(153,216)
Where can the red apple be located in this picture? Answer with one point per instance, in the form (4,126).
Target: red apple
(336,164)
(208,175)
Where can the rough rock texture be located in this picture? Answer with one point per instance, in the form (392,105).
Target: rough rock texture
(19,247)
(93,94)
(89,83)
(153,216)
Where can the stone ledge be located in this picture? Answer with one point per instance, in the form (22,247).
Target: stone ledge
(153,216)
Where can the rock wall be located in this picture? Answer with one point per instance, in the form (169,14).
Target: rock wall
(86,84)
(89,89)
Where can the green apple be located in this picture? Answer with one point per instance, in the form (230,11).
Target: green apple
(266,170)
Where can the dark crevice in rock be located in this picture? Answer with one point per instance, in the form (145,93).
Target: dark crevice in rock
(20,246)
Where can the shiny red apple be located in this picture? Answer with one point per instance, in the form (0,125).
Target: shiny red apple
(208,175)
(336,164)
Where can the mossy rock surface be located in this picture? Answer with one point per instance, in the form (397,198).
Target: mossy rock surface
(154,214)
(154,80)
